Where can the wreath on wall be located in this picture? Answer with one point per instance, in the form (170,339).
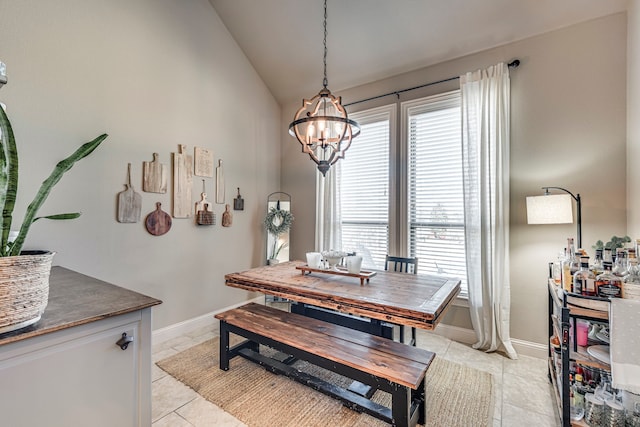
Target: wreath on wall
(278,221)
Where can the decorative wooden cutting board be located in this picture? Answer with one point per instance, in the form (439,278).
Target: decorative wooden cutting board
(154,176)
(182,183)
(219,183)
(238,202)
(203,162)
(158,222)
(203,215)
(129,202)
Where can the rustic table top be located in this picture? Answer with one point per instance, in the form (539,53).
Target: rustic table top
(76,299)
(406,299)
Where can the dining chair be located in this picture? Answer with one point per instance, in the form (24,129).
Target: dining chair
(403,265)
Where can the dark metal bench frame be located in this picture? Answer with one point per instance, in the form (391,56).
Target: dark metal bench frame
(407,407)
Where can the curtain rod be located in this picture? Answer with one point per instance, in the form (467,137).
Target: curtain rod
(515,63)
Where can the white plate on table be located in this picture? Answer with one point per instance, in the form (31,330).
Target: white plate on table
(600,352)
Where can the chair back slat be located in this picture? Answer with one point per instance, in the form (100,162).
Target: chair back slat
(401,264)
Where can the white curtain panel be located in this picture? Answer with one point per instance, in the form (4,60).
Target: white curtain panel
(485,141)
(328,213)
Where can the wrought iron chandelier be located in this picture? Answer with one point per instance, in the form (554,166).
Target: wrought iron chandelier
(321,125)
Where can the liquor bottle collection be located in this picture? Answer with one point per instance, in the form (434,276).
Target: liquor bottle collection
(611,273)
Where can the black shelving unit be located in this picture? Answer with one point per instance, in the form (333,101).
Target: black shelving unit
(560,313)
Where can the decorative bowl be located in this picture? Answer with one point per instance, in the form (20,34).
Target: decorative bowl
(333,258)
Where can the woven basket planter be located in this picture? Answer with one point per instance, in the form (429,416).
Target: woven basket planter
(24,288)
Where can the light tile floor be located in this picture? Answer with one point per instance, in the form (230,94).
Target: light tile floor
(522,393)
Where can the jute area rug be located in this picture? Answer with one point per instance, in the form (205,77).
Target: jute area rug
(456,395)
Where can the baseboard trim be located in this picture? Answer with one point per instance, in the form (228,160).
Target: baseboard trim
(455,333)
(468,336)
(182,328)
(528,348)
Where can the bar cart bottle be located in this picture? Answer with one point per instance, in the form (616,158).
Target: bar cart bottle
(567,275)
(584,279)
(597,267)
(608,284)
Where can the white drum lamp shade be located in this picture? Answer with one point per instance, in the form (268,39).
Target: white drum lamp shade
(550,209)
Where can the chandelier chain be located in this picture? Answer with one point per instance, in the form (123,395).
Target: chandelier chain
(325,82)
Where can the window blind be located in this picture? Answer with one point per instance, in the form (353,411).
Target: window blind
(364,192)
(435,195)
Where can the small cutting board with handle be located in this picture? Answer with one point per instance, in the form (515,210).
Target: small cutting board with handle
(158,222)
(182,183)
(238,202)
(154,176)
(129,202)
(219,183)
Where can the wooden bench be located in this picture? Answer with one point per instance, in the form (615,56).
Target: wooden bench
(378,362)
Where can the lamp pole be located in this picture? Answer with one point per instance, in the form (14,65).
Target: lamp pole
(576,197)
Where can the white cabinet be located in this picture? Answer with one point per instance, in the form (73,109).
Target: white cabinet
(74,374)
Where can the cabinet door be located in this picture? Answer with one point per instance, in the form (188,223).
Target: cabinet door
(84,381)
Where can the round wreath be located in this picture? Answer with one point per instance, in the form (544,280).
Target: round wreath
(278,221)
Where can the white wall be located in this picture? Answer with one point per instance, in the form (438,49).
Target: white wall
(152,74)
(568,130)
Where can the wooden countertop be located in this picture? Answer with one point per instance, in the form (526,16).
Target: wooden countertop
(76,299)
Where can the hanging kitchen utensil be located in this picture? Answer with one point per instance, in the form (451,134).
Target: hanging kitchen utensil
(219,183)
(238,202)
(203,160)
(154,176)
(158,222)
(182,183)
(227,217)
(203,215)
(129,202)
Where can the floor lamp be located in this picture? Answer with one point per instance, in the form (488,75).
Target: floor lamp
(555,209)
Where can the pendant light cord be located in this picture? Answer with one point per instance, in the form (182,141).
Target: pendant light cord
(325,82)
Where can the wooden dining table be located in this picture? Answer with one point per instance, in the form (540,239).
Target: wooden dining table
(415,300)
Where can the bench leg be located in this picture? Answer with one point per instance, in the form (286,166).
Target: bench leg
(224,346)
(420,395)
(401,405)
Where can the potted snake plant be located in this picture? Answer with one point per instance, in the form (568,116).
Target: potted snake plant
(24,275)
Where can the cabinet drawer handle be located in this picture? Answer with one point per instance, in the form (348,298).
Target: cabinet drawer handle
(124,342)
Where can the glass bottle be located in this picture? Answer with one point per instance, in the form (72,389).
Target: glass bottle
(578,393)
(584,279)
(606,255)
(631,253)
(633,272)
(575,265)
(557,268)
(608,284)
(620,265)
(567,275)
(596,266)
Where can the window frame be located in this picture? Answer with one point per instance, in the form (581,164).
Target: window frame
(399,132)
(371,115)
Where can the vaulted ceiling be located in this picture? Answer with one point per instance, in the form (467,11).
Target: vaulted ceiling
(373,39)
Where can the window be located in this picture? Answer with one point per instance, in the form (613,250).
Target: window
(364,189)
(434,180)
(406,201)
